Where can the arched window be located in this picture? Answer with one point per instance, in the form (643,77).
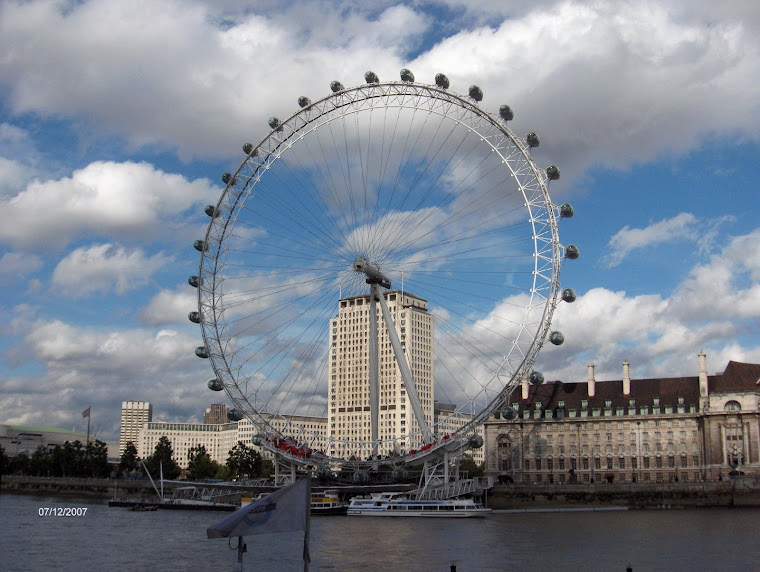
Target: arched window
(733,406)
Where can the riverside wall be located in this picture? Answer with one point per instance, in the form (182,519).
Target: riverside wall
(738,492)
(735,492)
(71,487)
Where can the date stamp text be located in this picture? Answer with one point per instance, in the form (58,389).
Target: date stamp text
(63,511)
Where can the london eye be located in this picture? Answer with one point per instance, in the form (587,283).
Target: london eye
(380,272)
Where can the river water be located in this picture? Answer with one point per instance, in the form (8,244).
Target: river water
(107,538)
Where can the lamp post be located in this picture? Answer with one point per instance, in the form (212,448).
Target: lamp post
(638,449)
(578,465)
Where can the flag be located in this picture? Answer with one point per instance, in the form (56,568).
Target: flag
(86,412)
(286,510)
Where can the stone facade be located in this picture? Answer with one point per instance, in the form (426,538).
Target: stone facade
(652,430)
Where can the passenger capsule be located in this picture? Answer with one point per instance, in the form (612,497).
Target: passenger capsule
(194,281)
(566,210)
(572,252)
(532,140)
(552,172)
(441,81)
(226,178)
(248,147)
(399,474)
(324,473)
(257,439)
(371,77)
(536,378)
(407,75)
(215,385)
(568,295)
(506,113)
(199,245)
(304,101)
(360,477)
(211,211)
(475,442)
(234,415)
(557,338)
(476,93)
(508,413)
(194,317)
(274,123)
(336,86)
(201,352)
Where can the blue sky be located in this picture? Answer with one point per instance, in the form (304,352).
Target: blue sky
(116,120)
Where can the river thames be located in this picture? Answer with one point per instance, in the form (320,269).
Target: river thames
(106,538)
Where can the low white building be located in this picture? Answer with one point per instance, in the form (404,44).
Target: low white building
(22,439)
(218,439)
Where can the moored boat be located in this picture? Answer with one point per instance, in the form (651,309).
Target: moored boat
(398,504)
(144,507)
(327,503)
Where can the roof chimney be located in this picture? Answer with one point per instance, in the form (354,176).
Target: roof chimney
(591,381)
(702,374)
(525,386)
(626,378)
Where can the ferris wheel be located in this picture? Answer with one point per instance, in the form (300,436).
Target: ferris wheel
(380,273)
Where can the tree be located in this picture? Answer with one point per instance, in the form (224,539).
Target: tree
(70,459)
(223,472)
(96,460)
(4,461)
(267,468)
(200,465)
(244,462)
(472,468)
(129,459)
(19,465)
(162,457)
(39,466)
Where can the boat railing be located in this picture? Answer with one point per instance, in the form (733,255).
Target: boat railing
(453,489)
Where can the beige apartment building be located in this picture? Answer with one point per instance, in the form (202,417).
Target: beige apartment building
(349,411)
(134,414)
(692,428)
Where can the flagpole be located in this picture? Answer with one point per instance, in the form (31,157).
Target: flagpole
(306,556)
(241,549)
(89,416)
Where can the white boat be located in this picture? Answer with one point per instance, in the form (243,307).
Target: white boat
(398,504)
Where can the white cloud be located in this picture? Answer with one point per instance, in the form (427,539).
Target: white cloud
(716,309)
(16,265)
(725,287)
(170,306)
(12,176)
(127,200)
(609,84)
(101,367)
(105,268)
(681,227)
(185,81)
(634,76)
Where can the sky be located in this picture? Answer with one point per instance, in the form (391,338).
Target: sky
(117,119)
